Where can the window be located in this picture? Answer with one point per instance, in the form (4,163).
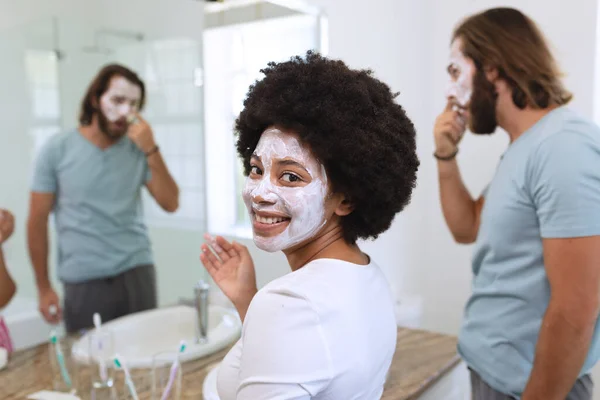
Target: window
(234,56)
(42,78)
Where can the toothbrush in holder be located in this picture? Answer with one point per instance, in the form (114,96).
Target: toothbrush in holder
(173,372)
(98,325)
(60,358)
(120,363)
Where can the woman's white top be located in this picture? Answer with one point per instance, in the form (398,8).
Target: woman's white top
(325,331)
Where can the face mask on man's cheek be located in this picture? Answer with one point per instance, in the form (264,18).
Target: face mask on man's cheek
(461,90)
(461,87)
(109,109)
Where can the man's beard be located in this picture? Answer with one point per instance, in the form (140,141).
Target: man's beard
(482,108)
(104,125)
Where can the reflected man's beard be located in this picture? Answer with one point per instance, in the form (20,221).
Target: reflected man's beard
(482,108)
(104,125)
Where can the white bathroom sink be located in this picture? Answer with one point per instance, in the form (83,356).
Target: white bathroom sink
(139,336)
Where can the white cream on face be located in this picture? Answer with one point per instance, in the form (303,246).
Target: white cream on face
(121,99)
(304,205)
(461,86)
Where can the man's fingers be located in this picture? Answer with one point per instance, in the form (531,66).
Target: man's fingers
(56,313)
(454,130)
(51,317)
(457,131)
(138,117)
(45,314)
(449,105)
(54,319)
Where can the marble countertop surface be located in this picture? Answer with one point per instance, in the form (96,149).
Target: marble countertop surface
(421,359)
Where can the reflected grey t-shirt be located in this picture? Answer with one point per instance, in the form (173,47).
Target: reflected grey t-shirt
(547,185)
(98,208)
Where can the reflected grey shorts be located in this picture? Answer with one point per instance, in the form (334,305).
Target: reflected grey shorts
(482,391)
(132,291)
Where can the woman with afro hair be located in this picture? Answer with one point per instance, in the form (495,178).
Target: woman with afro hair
(330,159)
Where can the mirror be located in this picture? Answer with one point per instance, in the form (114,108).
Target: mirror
(197,60)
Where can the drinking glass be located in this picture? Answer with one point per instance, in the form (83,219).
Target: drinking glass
(166,376)
(101,346)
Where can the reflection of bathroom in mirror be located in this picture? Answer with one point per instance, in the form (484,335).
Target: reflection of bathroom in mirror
(196,73)
(197,70)
(49,63)
(58,73)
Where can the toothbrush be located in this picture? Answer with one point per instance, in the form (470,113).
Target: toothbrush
(213,243)
(60,358)
(174,367)
(98,324)
(120,363)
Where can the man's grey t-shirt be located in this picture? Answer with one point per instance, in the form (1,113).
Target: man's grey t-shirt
(98,211)
(547,185)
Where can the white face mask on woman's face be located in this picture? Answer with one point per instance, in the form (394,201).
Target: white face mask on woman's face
(285,211)
(461,75)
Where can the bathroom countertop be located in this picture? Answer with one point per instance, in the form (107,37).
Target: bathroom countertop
(421,358)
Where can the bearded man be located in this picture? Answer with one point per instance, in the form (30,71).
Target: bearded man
(91,179)
(530,327)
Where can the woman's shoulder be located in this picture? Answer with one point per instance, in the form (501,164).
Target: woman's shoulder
(323,286)
(283,291)
(290,296)
(278,312)
(310,280)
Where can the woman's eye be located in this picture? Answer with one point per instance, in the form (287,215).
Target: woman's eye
(291,178)
(254,170)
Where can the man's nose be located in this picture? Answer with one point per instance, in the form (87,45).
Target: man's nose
(125,109)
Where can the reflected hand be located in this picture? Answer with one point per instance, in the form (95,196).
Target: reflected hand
(7,225)
(141,133)
(231,267)
(449,129)
(48,302)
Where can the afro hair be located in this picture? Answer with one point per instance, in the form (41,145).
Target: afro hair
(352,125)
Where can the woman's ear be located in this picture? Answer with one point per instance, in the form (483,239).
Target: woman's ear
(344,207)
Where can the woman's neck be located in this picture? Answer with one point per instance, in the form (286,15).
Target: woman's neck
(329,244)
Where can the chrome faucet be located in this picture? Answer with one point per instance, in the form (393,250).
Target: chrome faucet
(201,290)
